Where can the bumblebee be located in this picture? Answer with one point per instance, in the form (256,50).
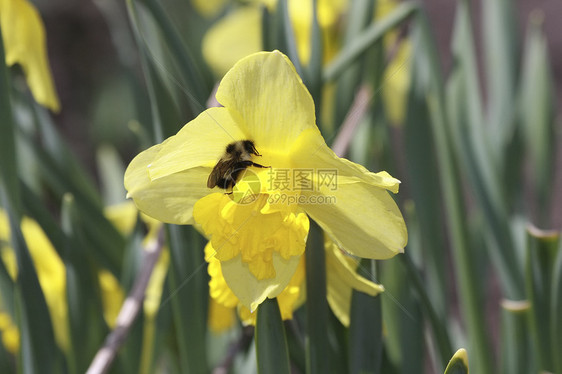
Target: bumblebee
(236,158)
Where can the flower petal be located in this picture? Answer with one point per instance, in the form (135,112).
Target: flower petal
(199,143)
(24,42)
(265,95)
(168,199)
(232,38)
(361,218)
(250,291)
(342,278)
(311,152)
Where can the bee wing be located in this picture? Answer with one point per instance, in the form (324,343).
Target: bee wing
(219,172)
(214,176)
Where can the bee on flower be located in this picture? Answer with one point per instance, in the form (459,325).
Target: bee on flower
(260,244)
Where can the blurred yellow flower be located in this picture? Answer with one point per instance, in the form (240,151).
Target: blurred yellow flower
(209,8)
(10,333)
(50,271)
(259,230)
(239,33)
(23,34)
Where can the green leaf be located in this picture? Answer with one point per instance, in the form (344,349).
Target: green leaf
(556,311)
(542,247)
(317,353)
(499,39)
(191,73)
(8,172)
(313,72)
(367,38)
(516,342)
(189,296)
(360,15)
(474,152)
(287,41)
(471,299)
(271,343)
(458,363)
(537,111)
(87,328)
(365,332)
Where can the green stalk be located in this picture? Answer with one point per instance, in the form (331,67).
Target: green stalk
(471,298)
(317,352)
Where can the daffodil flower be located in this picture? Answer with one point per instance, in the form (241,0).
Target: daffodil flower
(259,229)
(23,34)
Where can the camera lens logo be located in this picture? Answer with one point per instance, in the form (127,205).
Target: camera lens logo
(248,187)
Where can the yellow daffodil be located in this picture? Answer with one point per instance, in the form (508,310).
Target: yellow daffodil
(239,33)
(259,230)
(50,271)
(23,34)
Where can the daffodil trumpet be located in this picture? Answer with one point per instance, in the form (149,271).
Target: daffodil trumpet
(258,231)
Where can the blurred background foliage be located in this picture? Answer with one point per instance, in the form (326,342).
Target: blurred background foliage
(460,100)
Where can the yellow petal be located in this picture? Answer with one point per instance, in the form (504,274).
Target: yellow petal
(232,38)
(362,219)
(251,291)
(342,278)
(155,284)
(267,98)
(289,300)
(11,339)
(24,43)
(311,152)
(199,143)
(123,216)
(112,296)
(218,289)
(208,8)
(221,318)
(168,199)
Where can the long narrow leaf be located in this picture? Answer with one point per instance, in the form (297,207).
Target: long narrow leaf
(271,343)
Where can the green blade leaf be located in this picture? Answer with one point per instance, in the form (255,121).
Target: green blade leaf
(317,353)
(537,112)
(189,296)
(542,247)
(367,38)
(471,298)
(556,311)
(365,332)
(516,341)
(271,343)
